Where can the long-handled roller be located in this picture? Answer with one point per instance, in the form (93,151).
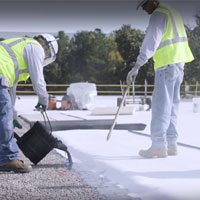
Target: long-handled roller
(122,102)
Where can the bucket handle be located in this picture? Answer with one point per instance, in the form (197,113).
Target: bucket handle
(46,119)
(58,144)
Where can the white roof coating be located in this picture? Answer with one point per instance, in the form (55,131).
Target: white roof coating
(117,161)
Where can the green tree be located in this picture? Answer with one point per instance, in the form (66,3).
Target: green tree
(113,60)
(129,42)
(192,70)
(79,56)
(90,56)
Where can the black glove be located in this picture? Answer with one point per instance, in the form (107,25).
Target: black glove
(17,124)
(40,106)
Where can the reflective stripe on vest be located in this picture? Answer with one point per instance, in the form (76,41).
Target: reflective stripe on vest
(174,44)
(175,31)
(18,67)
(13,57)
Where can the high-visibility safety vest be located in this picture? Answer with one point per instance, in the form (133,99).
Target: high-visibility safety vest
(174,46)
(12,64)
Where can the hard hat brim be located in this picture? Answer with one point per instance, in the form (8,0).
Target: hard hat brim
(141,3)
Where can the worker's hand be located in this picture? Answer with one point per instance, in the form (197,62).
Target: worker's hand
(41,107)
(17,124)
(132,75)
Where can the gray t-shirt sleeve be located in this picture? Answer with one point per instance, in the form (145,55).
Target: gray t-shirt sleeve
(34,58)
(154,33)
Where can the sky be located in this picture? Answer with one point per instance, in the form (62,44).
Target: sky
(77,15)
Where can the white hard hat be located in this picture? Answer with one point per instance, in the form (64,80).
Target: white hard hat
(51,42)
(140,3)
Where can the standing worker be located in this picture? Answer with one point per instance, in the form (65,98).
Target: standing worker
(19,59)
(165,41)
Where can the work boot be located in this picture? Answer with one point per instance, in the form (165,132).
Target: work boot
(17,166)
(153,152)
(172,151)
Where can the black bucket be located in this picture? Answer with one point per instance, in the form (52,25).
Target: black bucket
(38,142)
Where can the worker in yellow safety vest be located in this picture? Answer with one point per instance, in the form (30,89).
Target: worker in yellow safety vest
(166,41)
(20,58)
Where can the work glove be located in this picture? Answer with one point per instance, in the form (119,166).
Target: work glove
(132,75)
(41,107)
(17,124)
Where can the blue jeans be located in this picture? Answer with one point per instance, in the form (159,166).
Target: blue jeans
(8,147)
(165,105)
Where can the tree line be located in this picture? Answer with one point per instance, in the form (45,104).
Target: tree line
(93,56)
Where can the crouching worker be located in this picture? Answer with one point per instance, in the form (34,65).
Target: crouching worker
(19,59)
(66,103)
